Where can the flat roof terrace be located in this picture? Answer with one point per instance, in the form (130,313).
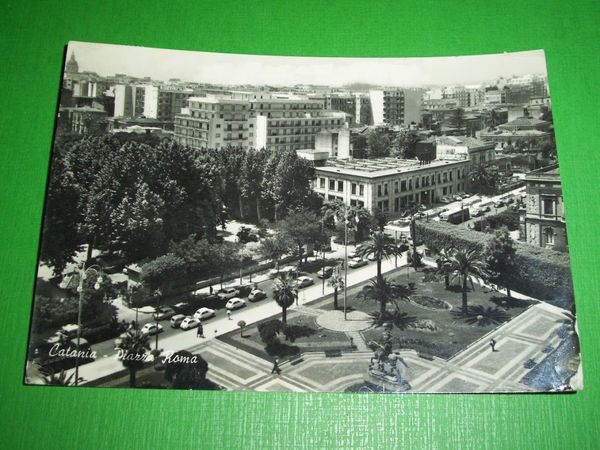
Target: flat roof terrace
(380,167)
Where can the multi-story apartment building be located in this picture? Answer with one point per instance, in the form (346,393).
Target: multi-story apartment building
(396,107)
(543,223)
(129,100)
(390,184)
(270,123)
(164,102)
(465,148)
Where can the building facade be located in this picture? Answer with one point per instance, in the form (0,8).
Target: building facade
(389,184)
(544,218)
(281,124)
(465,148)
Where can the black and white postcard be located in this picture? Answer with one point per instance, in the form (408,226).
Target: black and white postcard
(261,223)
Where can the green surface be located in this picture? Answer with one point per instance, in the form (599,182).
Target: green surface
(33,36)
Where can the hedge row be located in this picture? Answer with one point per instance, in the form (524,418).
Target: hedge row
(543,274)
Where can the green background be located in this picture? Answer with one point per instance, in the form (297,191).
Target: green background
(33,37)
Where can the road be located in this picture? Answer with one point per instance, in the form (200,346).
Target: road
(172,340)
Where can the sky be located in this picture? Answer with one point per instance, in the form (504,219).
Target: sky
(234,69)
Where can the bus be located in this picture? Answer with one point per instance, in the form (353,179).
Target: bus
(455,216)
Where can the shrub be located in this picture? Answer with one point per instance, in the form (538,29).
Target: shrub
(268,332)
(542,273)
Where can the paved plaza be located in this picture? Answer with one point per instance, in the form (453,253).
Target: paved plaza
(475,369)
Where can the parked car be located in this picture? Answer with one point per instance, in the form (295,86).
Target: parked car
(244,289)
(189,322)
(150,329)
(227,293)
(446,199)
(246,234)
(176,320)
(372,257)
(302,282)
(204,313)
(256,295)
(182,307)
(205,296)
(476,212)
(325,272)
(235,303)
(402,222)
(357,262)
(457,198)
(499,203)
(163,313)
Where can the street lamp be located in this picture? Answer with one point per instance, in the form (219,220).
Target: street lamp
(158,294)
(346,221)
(83,272)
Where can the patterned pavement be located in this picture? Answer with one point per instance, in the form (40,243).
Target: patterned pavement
(475,369)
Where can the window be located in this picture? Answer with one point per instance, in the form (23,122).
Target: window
(385,189)
(409,185)
(322,183)
(548,236)
(417,183)
(353,188)
(361,190)
(403,186)
(548,206)
(450,175)
(331,185)
(218,135)
(340,186)
(379,190)
(395,187)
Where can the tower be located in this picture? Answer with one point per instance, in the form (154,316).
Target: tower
(72,66)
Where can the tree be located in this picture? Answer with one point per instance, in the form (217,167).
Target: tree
(484,179)
(134,347)
(466,265)
(404,144)
(384,292)
(59,379)
(302,227)
(336,281)
(457,120)
(359,146)
(285,294)
(251,177)
(379,143)
(444,266)
(499,256)
(184,370)
(161,272)
(381,246)
(274,247)
(378,220)
(225,257)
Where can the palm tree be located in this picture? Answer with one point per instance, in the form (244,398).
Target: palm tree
(385,292)
(133,352)
(444,265)
(381,246)
(467,265)
(285,294)
(336,282)
(59,379)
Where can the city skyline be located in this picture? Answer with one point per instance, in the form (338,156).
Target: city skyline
(237,69)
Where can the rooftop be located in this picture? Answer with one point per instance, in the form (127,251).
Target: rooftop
(379,167)
(467,141)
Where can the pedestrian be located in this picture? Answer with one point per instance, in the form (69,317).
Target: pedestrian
(228,315)
(493,344)
(276,368)
(210,289)
(200,332)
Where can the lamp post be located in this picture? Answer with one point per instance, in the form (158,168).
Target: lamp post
(345,260)
(158,294)
(80,289)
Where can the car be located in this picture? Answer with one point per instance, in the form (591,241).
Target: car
(176,320)
(402,222)
(244,289)
(302,282)
(235,303)
(510,200)
(181,307)
(163,313)
(189,322)
(204,313)
(325,272)
(357,262)
(227,293)
(477,212)
(205,296)
(274,273)
(457,198)
(69,330)
(372,257)
(256,295)
(499,203)
(446,199)
(150,329)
